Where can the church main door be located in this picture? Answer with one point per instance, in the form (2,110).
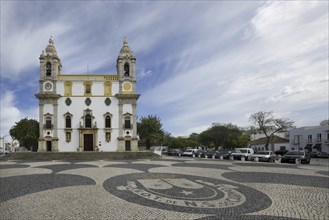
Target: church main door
(88,142)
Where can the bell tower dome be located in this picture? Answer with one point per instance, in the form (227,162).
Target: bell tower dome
(126,62)
(50,63)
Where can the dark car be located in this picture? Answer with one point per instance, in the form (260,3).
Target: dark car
(175,152)
(210,153)
(225,154)
(319,154)
(199,153)
(291,156)
(281,152)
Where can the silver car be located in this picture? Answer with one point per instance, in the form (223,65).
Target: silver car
(268,156)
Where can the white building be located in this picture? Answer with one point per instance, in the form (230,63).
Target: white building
(311,138)
(276,143)
(87,112)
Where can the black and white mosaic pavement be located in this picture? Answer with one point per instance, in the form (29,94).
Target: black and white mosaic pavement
(162,189)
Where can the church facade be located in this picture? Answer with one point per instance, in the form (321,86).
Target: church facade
(87,112)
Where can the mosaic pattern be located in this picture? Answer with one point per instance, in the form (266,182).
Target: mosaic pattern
(162,189)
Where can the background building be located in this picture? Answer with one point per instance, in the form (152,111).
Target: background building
(87,112)
(310,138)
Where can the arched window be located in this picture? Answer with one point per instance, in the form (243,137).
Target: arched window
(48,69)
(68,121)
(48,123)
(108,121)
(88,121)
(126,69)
(68,88)
(88,88)
(127,122)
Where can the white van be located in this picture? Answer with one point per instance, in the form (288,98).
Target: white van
(243,152)
(189,152)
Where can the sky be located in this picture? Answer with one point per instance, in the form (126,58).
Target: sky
(198,62)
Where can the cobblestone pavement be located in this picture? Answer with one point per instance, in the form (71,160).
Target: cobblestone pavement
(172,188)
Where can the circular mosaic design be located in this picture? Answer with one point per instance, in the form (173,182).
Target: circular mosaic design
(186,193)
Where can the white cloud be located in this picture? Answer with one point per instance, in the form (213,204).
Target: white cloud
(277,68)
(9,113)
(144,74)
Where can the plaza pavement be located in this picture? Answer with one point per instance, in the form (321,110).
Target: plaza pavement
(170,188)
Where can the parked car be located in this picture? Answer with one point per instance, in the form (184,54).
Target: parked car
(210,153)
(4,154)
(268,156)
(243,152)
(281,152)
(189,152)
(199,153)
(175,152)
(291,156)
(318,154)
(225,154)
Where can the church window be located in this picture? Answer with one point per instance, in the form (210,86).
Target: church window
(48,123)
(68,121)
(127,122)
(108,121)
(88,88)
(88,101)
(68,89)
(48,69)
(68,101)
(126,69)
(107,89)
(107,101)
(88,121)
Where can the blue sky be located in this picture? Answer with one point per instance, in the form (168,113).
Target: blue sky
(198,62)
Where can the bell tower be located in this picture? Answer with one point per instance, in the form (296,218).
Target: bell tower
(50,68)
(127,98)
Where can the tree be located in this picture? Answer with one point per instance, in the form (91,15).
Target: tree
(150,130)
(225,135)
(26,131)
(268,124)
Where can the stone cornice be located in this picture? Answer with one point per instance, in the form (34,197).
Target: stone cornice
(47,96)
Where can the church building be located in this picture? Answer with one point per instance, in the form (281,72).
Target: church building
(87,112)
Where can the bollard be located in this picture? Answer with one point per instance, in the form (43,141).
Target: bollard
(199,156)
(297,161)
(278,159)
(231,158)
(221,158)
(205,156)
(193,155)
(256,159)
(213,156)
(243,158)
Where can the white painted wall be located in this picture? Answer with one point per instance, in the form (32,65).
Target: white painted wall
(303,132)
(77,108)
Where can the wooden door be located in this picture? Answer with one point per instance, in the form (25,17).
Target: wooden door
(88,142)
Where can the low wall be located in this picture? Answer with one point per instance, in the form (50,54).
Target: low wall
(80,156)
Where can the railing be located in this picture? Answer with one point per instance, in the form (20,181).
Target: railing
(45,126)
